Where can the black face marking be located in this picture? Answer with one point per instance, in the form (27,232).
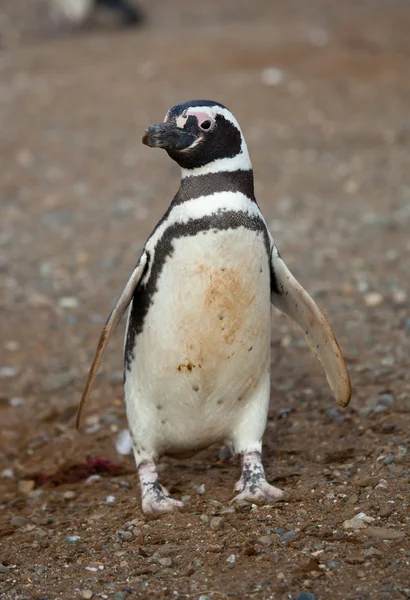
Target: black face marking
(212,183)
(144,293)
(222,141)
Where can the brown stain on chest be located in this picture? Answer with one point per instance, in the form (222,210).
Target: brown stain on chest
(227,297)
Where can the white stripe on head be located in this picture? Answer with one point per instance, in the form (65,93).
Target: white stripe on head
(240,162)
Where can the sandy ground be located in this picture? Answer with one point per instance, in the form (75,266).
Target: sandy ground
(322,91)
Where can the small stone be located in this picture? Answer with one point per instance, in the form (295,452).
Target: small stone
(353,499)
(72,538)
(201,489)
(373,553)
(185,498)
(56,381)
(136,531)
(18,521)
(120,595)
(217,523)
(203,597)
(92,479)
(399,297)
(389,459)
(68,302)
(266,540)
(123,444)
(231,559)
(8,372)
(368,481)
(204,519)
(125,535)
(4,569)
(355,523)
(305,596)
(287,536)
(373,299)
(354,559)
(69,495)
(382,485)
(110,499)
(165,562)
(386,511)
(86,594)
(383,533)
(16,401)
(7,473)
(26,486)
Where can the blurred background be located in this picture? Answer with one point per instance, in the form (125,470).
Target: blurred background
(322,92)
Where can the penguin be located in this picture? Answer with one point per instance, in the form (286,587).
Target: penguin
(197,343)
(79,12)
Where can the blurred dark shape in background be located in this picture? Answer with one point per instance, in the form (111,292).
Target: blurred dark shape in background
(81,12)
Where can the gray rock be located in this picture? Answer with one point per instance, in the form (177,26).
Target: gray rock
(373,553)
(265,539)
(4,569)
(8,372)
(217,523)
(72,538)
(125,535)
(287,536)
(305,596)
(56,381)
(120,595)
(165,562)
(18,521)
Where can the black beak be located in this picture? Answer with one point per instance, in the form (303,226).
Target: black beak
(168,136)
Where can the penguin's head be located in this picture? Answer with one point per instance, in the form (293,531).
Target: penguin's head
(198,134)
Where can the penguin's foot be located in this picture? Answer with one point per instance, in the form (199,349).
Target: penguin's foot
(155,498)
(252,486)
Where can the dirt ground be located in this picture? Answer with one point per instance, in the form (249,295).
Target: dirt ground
(322,91)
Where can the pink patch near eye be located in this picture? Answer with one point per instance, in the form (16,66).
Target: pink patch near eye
(201,116)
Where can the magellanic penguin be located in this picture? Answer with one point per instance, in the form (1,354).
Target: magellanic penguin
(197,346)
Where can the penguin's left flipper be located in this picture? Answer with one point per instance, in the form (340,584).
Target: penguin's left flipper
(115,317)
(290,298)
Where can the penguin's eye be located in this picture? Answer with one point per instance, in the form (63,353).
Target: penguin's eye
(205,125)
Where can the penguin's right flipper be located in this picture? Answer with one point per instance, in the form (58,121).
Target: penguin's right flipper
(115,317)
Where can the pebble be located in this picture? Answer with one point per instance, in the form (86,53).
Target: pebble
(69,495)
(354,559)
(373,553)
(7,473)
(305,596)
(56,381)
(125,535)
(18,521)
(120,595)
(185,498)
(26,486)
(8,372)
(86,594)
(203,597)
(265,539)
(68,302)
(110,499)
(231,559)
(72,538)
(383,533)
(16,401)
(204,518)
(4,569)
(201,489)
(386,511)
(165,562)
(355,523)
(373,299)
(353,499)
(287,536)
(92,479)
(123,444)
(217,523)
